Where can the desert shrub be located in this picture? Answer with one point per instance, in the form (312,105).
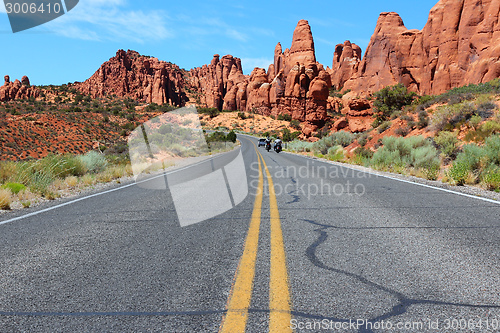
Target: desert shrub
(295,124)
(423,119)
(15,188)
(492,149)
(341,138)
(8,170)
(94,162)
(491,178)
(216,136)
(335,153)
(449,116)
(363,139)
(484,131)
(5,199)
(231,136)
(472,156)
(287,136)
(474,121)
(403,131)
(447,143)
(384,126)
(363,152)
(285,117)
(242,115)
(415,151)
(478,162)
(391,99)
(300,146)
(212,112)
(71,181)
(459,172)
(485,109)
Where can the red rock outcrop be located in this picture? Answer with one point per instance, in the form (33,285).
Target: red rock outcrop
(139,77)
(218,84)
(295,84)
(460,44)
(346,59)
(17,89)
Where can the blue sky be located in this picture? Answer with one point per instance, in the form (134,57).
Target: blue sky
(187,33)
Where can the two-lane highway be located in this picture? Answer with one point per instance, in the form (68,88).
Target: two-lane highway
(314,247)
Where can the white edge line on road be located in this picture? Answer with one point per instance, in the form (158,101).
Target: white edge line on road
(401,180)
(104,192)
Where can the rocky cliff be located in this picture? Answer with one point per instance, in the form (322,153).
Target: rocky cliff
(139,77)
(460,44)
(17,89)
(295,84)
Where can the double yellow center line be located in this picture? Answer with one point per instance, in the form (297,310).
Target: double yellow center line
(279,295)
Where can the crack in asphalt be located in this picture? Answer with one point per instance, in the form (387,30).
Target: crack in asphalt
(404,302)
(296,197)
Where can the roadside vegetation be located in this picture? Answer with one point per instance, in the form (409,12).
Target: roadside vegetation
(29,182)
(458,138)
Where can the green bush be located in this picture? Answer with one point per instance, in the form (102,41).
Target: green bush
(447,143)
(231,136)
(15,188)
(363,152)
(384,126)
(492,149)
(341,138)
(391,99)
(399,152)
(295,124)
(491,178)
(300,146)
(450,116)
(459,172)
(285,117)
(287,136)
(423,119)
(472,156)
(335,153)
(212,112)
(94,162)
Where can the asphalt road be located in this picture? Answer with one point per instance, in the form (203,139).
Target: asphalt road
(329,249)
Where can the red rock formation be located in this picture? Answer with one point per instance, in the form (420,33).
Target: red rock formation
(302,50)
(17,89)
(346,59)
(460,44)
(136,76)
(295,84)
(217,80)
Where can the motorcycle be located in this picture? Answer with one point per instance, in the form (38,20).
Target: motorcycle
(277,148)
(268,146)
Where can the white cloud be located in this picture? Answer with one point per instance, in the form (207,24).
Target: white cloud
(232,33)
(249,64)
(106,20)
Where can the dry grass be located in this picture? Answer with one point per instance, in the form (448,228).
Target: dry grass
(88,180)
(8,170)
(26,198)
(5,199)
(71,181)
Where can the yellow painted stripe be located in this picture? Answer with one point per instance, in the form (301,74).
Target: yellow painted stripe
(279,291)
(241,293)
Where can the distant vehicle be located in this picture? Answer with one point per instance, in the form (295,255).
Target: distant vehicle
(262,142)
